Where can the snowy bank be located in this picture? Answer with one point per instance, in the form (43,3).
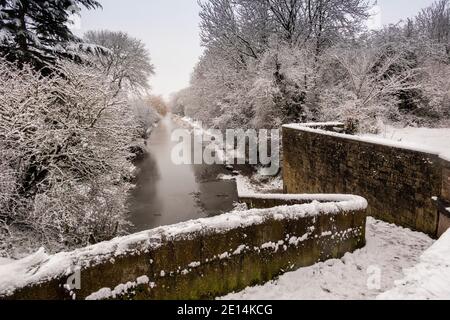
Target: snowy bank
(428,280)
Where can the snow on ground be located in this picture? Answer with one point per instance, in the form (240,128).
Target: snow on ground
(255,185)
(434,139)
(390,249)
(430,279)
(5,261)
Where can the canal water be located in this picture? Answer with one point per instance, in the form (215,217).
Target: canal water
(167,193)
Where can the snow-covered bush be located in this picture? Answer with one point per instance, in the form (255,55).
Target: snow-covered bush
(271,62)
(144,116)
(434,83)
(267,92)
(284,83)
(178,102)
(65,143)
(8,185)
(362,83)
(219,94)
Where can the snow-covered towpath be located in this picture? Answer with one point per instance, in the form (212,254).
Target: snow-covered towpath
(389,250)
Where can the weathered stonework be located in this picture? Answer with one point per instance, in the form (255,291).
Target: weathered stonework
(259,203)
(207,263)
(399,184)
(446,180)
(444,224)
(444,202)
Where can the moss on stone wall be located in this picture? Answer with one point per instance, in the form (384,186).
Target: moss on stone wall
(208,265)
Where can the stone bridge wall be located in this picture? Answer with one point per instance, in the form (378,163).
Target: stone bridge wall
(200,259)
(400,184)
(444,201)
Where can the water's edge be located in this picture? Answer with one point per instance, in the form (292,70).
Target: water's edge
(166,193)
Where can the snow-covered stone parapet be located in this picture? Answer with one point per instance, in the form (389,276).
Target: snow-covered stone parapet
(309,127)
(430,279)
(246,247)
(346,203)
(338,127)
(398,179)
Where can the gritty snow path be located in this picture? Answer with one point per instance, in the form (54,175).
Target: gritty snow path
(390,249)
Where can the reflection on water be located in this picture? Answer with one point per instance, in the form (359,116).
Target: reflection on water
(166,193)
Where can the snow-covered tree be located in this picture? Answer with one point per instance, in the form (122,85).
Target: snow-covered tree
(362,82)
(65,155)
(262,57)
(157,103)
(284,84)
(268,62)
(320,21)
(127,62)
(178,102)
(145,116)
(38,32)
(242,28)
(434,23)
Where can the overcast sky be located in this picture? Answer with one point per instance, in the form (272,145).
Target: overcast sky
(170,30)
